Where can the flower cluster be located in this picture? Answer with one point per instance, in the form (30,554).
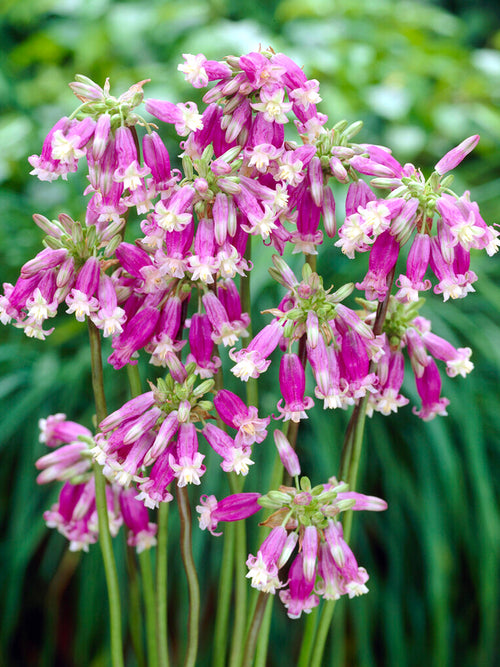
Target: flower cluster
(175,294)
(154,438)
(306,535)
(75,515)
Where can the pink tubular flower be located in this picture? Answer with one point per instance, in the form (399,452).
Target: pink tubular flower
(110,317)
(351,578)
(202,346)
(63,463)
(62,148)
(263,568)
(174,213)
(56,430)
(158,160)
(287,454)
(154,488)
(454,157)
(362,502)
(251,361)
(416,266)
(223,330)
(185,117)
(457,360)
(128,412)
(292,385)
(136,518)
(199,71)
(187,464)
(75,515)
(165,341)
(326,372)
(232,508)
(136,334)
(235,458)
(299,596)
(236,414)
(383,257)
(81,299)
(354,363)
(359,193)
(128,170)
(429,390)
(229,296)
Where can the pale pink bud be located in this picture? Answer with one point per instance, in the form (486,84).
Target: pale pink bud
(456,155)
(287,454)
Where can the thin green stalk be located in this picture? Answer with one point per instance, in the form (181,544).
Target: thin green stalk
(311,260)
(235,541)
(134,608)
(65,571)
(161,585)
(352,474)
(134,380)
(240,602)
(308,638)
(102,508)
(150,594)
(263,637)
(350,463)
(325,621)
(253,632)
(224,597)
(97,374)
(149,603)
(191,575)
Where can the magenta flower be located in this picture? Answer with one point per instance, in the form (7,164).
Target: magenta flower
(429,390)
(299,596)
(232,508)
(252,360)
(292,385)
(236,414)
(263,568)
(136,517)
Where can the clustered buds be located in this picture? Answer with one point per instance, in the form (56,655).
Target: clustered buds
(307,535)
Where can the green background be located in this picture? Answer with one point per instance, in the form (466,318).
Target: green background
(421,79)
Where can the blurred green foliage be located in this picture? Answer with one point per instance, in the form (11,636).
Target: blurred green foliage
(421,79)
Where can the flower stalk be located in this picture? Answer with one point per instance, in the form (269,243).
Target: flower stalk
(191,575)
(101,504)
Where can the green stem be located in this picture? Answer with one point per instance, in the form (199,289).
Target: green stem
(240,582)
(134,380)
(191,575)
(102,507)
(322,633)
(149,603)
(253,632)
(311,260)
(263,636)
(134,608)
(97,374)
(224,597)
(308,638)
(161,585)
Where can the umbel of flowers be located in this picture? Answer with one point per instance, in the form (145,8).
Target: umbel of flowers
(177,295)
(304,530)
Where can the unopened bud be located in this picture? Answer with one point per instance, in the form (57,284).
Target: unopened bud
(287,455)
